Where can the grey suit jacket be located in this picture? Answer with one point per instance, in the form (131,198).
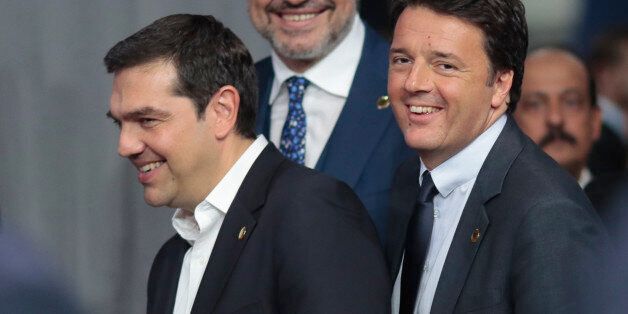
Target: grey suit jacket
(538,235)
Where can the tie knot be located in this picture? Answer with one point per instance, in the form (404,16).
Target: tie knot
(297,84)
(427,190)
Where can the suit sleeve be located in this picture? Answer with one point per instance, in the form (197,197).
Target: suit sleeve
(329,258)
(556,258)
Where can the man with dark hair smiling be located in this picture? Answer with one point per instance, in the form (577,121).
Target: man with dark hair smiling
(256,232)
(483,221)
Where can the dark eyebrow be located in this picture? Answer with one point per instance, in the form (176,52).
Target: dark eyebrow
(538,94)
(450,57)
(446,55)
(398,50)
(441,54)
(141,112)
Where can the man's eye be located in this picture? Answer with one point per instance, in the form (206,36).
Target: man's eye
(573,102)
(148,122)
(533,104)
(400,60)
(446,67)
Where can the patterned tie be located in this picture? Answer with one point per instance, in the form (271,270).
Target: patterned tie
(417,243)
(292,143)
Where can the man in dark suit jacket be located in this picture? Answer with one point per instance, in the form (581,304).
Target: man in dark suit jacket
(483,221)
(256,232)
(346,63)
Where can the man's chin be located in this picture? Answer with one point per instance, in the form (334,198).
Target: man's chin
(296,51)
(154,201)
(566,161)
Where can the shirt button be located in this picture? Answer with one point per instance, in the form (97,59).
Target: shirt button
(436,213)
(425,268)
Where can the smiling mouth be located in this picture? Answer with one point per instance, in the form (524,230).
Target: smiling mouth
(150,167)
(299,17)
(424,109)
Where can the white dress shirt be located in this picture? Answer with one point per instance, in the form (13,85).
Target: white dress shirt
(330,82)
(585,177)
(454,180)
(201,227)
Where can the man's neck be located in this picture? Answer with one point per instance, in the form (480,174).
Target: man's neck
(296,65)
(229,152)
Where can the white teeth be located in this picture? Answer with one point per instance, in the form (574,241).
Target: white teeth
(298,17)
(423,110)
(151,166)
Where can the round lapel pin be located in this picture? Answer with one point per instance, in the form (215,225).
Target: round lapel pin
(383,102)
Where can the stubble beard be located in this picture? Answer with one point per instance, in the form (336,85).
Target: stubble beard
(330,40)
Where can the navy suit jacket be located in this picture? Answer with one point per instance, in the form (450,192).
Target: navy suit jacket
(537,235)
(366,145)
(309,247)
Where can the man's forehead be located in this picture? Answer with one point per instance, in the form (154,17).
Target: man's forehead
(555,67)
(419,25)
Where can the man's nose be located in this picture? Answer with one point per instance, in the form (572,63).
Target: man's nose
(419,79)
(554,114)
(129,143)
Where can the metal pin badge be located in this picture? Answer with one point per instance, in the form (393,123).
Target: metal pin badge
(242,233)
(475,235)
(383,102)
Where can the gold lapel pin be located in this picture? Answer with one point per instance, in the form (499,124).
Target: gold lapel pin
(383,102)
(475,235)
(242,233)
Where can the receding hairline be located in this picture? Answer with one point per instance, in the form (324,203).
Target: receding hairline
(556,53)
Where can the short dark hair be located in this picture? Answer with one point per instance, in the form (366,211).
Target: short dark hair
(206,54)
(607,48)
(503,24)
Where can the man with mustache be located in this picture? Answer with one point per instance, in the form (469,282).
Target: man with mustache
(256,233)
(558,109)
(338,122)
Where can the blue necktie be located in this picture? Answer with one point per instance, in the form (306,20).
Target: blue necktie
(292,143)
(417,242)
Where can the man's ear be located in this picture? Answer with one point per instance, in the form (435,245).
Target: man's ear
(225,105)
(502,85)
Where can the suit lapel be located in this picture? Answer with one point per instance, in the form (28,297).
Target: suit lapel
(265,77)
(231,241)
(360,122)
(474,216)
(164,278)
(403,198)
(461,254)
